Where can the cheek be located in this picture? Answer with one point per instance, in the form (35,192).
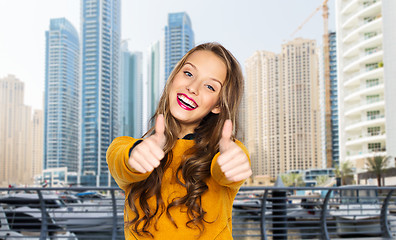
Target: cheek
(212,102)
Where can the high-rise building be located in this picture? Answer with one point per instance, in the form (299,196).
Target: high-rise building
(131,93)
(61,104)
(38,142)
(334,99)
(179,39)
(126,96)
(136,68)
(155,75)
(282,121)
(100,51)
(15,134)
(366,75)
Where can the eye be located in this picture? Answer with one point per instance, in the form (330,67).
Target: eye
(188,74)
(210,88)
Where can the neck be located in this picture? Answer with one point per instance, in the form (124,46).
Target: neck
(185,130)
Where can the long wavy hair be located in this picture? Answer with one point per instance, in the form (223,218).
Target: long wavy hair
(195,167)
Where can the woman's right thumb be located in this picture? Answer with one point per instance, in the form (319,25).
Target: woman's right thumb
(160,128)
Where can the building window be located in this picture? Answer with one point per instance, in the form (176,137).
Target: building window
(372,82)
(372,98)
(371,115)
(374,147)
(370,50)
(368,35)
(371,66)
(373,131)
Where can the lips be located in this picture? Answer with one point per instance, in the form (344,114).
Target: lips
(186,102)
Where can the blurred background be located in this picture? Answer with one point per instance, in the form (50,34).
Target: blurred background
(75,74)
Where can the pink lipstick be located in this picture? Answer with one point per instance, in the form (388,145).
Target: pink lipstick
(185,102)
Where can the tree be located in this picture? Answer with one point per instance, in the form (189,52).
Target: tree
(322,179)
(344,172)
(293,180)
(377,165)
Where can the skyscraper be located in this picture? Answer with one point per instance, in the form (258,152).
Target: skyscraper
(61,105)
(15,134)
(155,75)
(334,99)
(136,67)
(131,93)
(282,121)
(366,70)
(179,39)
(100,36)
(37,142)
(125,92)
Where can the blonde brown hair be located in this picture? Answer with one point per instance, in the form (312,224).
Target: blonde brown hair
(195,167)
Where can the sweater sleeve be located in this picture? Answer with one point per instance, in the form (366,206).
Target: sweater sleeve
(117,157)
(218,174)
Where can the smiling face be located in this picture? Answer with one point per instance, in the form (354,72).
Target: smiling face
(195,89)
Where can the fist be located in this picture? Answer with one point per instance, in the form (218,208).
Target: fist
(147,155)
(232,160)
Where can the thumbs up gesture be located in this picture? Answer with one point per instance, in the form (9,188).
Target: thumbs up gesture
(232,160)
(147,155)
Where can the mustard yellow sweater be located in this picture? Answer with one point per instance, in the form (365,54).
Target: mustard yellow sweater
(217,201)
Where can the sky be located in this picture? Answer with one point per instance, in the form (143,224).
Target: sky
(242,26)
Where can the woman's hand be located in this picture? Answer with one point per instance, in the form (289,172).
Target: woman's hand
(147,155)
(232,160)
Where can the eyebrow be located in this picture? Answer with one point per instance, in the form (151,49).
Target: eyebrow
(192,65)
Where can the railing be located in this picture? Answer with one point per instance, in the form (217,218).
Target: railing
(258,213)
(61,213)
(315,213)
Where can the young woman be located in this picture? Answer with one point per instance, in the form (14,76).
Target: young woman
(181,180)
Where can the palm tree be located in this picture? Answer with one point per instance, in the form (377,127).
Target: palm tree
(344,172)
(377,165)
(293,179)
(322,179)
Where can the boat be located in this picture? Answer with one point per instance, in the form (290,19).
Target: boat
(67,211)
(25,223)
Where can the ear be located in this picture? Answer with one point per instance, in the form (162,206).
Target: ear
(216,109)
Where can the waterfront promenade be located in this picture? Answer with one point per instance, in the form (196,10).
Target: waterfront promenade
(360,212)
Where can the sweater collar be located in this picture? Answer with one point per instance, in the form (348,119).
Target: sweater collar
(190,136)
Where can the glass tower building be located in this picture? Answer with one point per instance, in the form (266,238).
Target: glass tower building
(334,98)
(136,68)
(179,39)
(100,34)
(155,78)
(62,86)
(131,93)
(125,88)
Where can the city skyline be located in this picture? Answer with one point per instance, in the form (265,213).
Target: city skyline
(242,28)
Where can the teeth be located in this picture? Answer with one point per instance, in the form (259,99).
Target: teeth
(187,101)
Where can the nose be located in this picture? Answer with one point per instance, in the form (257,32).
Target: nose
(193,88)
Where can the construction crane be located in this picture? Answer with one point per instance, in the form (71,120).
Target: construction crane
(326,56)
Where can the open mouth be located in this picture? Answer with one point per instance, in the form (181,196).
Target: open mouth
(186,102)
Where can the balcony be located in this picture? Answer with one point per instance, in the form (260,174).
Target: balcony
(354,78)
(356,92)
(357,108)
(362,122)
(351,19)
(364,154)
(355,62)
(352,34)
(258,213)
(365,138)
(350,7)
